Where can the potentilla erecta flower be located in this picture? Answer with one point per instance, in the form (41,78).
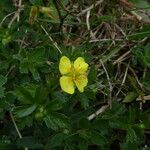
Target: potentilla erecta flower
(74,74)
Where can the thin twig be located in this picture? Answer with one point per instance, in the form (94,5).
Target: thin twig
(6,17)
(88,24)
(146,98)
(121,30)
(16,15)
(139,83)
(105,40)
(19,6)
(9,71)
(55,2)
(121,57)
(124,78)
(89,8)
(54,43)
(138,17)
(109,82)
(99,111)
(87,20)
(16,127)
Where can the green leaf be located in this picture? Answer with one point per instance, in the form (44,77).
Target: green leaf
(25,111)
(116,110)
(24,67)
(35,73)
(70,146)
(84,133)
(120,123)
(3,80)
(54,105)
(94,136)
(131,96)
(139,35)
(31,61)
(56,140)
(112,53)
(40,95)
(30,143)
(97,139)
(26,96)
(131,136)
(102,125)
(81,114)
(129,146)
(2,89)
(141,4)
(83,145)
(7,146)
(56,121)
(83,100)
(141,55)
(92,75)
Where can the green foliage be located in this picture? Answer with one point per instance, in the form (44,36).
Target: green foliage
(130,97)
(31,100)
(142,55)
(3,80)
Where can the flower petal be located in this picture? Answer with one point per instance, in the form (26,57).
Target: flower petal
(67,84)
(81,82)
(64,65)
(80,65)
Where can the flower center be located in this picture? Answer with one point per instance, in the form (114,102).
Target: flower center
(73,73)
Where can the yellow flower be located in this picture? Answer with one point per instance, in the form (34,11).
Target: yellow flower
(73,74)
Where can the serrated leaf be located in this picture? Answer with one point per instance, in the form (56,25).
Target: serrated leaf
(84,133)
(56,121)
(131,136)
(94,136)
(116,110)
(32,61)
(97,138)
(2,89)
(56,140)
(3,80)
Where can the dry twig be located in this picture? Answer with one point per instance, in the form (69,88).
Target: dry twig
(109,82)
(16,127)
(17,13)
(98,112)
(54,43)
(91,7)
